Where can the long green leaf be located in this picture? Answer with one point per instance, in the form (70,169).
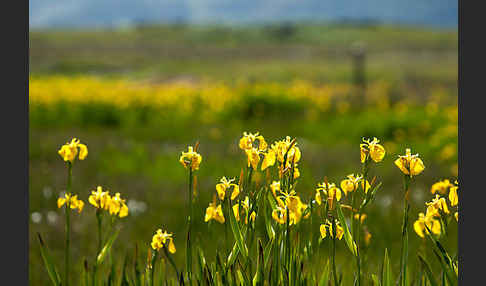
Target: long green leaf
(234,253)
(386,276)
(259,275)
(428,271)
(50,267)
(107,248)
(347,235)
(238,236)
(324,280)
(267,252)
(376,281)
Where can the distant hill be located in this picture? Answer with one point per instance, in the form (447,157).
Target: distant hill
(113,13)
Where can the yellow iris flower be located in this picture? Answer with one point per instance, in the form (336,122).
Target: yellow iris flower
(226,185)
(375,150)
(280,148)
(70,150)
(429,220)
(100,199)
(441,187)
(160,239)
(117,206)
(330,190)
(246,208)
(410,164)
(248,141)
(438,203)
(214,212)
(72,201)
(253,156)
(456,215)
(295,206)
(326,229)
(190,158)
(352,182)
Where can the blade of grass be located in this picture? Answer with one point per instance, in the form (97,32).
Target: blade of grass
(347,235)
(50,267)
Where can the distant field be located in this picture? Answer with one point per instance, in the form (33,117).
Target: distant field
(278,53)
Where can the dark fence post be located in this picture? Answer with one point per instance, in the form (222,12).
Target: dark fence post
(358,53)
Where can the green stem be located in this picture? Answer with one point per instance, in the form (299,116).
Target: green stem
(99,221)
(68,224)
(171,261)
(100,242)
(189,231)
(334,272)
(288,241)
(152,271)
(404,246)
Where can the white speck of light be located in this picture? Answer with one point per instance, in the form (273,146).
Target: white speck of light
(36,217)
(52,217)
(47,191)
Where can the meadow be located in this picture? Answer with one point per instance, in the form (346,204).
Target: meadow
(138,97)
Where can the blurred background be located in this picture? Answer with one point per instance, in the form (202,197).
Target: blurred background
(139,81)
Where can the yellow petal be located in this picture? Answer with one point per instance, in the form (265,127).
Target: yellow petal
(80,205)
(123,211)
(236,191)
(453,198)
(347,186)
(172,248)
(416,166)
(318,198)
(419,228)
(377,152)
(83,151)
(339,232)
(93,201)
(60,202)
(209,213)
(269,160)
(235,212)
(221,189)
(323,230)
(401,166)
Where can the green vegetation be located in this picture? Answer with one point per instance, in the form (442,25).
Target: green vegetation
(135,150)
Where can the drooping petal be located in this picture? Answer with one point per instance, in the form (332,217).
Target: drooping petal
(123,211)
(60,202)
(377,152)
(83,151)
(401,165)
(236,191)
(221,190)
(453,198)
(416,166)
(323,230)
(268,160)
(172,248)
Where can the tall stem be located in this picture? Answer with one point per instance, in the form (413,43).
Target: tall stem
(68,226)
(334,272)
(189,231)
(404,247)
